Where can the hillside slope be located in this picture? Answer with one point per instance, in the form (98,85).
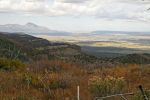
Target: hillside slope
(134,58)
(24,46)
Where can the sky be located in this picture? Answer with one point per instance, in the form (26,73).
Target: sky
(78,15)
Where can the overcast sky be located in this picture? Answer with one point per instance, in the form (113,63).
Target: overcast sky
(78,15)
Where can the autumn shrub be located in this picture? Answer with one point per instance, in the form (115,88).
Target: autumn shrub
(9,64)
(45,82)
(54,68)
(27,79)
(20,98)
(46,65)
(33,80)
(106,86)
(63,84)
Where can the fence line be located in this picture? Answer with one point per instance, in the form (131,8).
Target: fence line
(124,94)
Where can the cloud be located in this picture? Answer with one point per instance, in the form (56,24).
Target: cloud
(73,1)
(106,9)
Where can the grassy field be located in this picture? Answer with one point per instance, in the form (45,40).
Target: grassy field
(58,80)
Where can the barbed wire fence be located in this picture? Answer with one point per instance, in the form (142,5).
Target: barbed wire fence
(123,96)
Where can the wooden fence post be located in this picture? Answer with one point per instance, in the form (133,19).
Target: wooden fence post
(78,93)
(143,93)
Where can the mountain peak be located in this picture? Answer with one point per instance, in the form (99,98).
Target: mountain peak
(30,28)
(31,24)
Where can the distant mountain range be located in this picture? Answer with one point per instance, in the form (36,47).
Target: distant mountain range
(32,29)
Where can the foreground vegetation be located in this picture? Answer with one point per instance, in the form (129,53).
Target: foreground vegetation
(35,69)
(58,80)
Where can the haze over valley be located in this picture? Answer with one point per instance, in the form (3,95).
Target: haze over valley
(95,43)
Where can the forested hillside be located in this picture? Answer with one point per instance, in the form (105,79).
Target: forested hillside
(27,47)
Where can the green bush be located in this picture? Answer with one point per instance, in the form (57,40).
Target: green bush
(107,86)
(9,64)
